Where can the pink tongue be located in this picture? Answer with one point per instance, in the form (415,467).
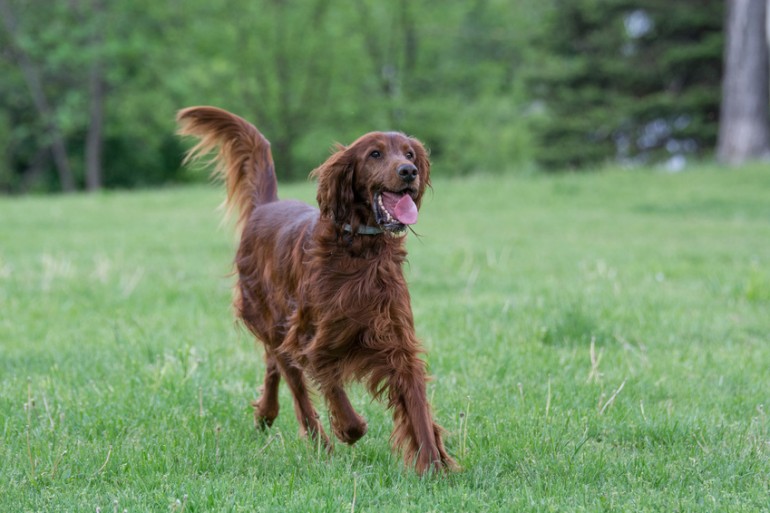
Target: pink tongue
(405,210)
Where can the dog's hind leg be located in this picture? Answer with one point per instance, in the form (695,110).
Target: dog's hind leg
(266,407)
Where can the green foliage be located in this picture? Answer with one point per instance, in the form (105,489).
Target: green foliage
(60,39)
(635,81)
(489,85)
(308,74)
(597,341)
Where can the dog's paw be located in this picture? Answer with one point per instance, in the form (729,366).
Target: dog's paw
(351,433)
(264,415)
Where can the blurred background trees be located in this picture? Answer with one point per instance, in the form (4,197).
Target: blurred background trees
(89,88)
(637,82)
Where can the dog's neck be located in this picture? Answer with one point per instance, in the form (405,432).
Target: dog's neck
(348,241)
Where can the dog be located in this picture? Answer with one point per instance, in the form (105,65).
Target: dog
(323,288)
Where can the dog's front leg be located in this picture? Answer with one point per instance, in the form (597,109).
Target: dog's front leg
(348,425)
(414,431)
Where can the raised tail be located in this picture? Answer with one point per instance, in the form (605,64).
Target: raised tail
(243,158)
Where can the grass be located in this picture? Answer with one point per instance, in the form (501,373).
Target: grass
(599,343)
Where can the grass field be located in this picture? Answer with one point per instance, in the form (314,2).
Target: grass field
(598,342)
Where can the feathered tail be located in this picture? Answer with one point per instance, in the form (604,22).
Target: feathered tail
(243,157)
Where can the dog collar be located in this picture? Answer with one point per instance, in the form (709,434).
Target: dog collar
(363,230)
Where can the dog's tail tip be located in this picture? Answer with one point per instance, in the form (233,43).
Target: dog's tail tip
(243,157)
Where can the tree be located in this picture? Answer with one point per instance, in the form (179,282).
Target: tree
(288,67)
(34,80)
(634,81)
(744,129)
(451,76)
(102,97)
(112,74)
(96,93)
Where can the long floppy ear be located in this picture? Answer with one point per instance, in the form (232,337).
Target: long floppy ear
(422,161)
(335,185)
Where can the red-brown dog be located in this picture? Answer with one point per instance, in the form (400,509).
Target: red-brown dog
(324,291)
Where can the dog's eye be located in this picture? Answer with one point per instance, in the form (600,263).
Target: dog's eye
(375,154)
(410,155)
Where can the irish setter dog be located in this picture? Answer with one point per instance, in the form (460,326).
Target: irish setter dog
(324,290)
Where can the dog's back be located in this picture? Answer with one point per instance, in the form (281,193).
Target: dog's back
(270,259)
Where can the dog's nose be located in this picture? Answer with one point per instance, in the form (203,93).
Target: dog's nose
(407,172)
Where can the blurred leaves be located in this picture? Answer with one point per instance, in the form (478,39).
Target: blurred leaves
(489,85)
(635,81)
(306,73)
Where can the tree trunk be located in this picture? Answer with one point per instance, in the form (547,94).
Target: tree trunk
(35,84)
(95,130)
(385,60)
(744,126)
(96,111)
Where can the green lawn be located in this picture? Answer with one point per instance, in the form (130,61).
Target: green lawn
(598,342)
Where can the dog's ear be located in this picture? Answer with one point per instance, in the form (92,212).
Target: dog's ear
(422,161)
(335,185)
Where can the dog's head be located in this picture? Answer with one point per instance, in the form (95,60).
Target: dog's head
(378,180)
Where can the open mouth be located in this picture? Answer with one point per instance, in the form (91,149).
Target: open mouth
(394,210)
